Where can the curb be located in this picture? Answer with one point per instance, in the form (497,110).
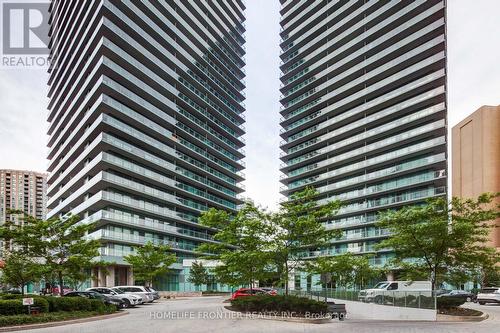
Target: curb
(61,323)
(450,319)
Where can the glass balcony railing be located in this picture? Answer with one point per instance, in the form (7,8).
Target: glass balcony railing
(141,240)
(391,199)
(408,87)
(365,149)
(367,134)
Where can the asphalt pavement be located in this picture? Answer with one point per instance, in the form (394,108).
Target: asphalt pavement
(207,314)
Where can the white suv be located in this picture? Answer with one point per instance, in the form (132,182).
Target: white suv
(488,295)
(146,295)
(129,299)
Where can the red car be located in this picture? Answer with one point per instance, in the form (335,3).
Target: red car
(66,289)
(244,292)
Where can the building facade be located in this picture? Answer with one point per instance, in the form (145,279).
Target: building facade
(22,190)
(476,158)
(363,111)
(146,123)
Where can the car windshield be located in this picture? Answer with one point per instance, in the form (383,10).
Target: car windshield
(381,285)
(118,291)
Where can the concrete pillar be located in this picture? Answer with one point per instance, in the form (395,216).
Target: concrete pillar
(130,276)
(110,278)
(102,277)
(390,276)
(95,277)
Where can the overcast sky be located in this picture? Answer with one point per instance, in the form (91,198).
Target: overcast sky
(473,80)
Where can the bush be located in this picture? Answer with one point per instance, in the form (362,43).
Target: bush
(43,318)
(268,303)
(449,302)
(97,305)
(15,306)
(69,304)
(12,307)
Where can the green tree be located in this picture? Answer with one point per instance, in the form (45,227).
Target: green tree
(242,246)
(60,244)
(441,235)
(20,269)
(150,261)
(198,274)
(346,270)
(298,228)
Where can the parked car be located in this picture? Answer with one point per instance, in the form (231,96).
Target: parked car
(245,292)
(156,295)
(15,291)
(270,291)
(111,299)
(128,299)
(488,295)
(388,288)
(469,297)
(147,296)
(66,289)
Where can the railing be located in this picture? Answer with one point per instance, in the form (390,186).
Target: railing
(407,299)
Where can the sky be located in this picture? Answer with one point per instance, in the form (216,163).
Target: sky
(473,80)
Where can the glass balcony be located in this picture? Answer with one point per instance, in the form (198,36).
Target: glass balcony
(365,135)
(366,149)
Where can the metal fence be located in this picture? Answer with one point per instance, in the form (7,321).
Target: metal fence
(408,299)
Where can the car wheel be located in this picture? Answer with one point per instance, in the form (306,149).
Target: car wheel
(379,300)
(481,303)
(126,304)
(468,299)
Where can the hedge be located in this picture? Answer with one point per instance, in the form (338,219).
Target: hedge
(449,302)
(268,303)
(69,304)
(44,317)
(15,306)
(51,304)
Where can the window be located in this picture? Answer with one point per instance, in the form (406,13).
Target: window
(393,286)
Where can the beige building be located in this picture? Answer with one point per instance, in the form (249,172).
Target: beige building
(476,157)
(23,190)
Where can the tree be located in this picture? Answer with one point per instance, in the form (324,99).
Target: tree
(346,270)
(60,244)
(198,274)
(298,228)
(20,269)
(441,235)
(150,261)
(242,246)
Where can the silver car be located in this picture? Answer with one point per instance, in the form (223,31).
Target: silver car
(129,299)
(146,295)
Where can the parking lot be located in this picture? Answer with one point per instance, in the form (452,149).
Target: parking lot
(207,314)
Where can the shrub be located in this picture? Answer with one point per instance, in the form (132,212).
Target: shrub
(268,303)
(97,305)
(449,302)
(15,306)
(42,318)
(69,304)
(12,307)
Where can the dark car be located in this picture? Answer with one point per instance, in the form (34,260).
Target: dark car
(111,299)
(469,297)
(156,294)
